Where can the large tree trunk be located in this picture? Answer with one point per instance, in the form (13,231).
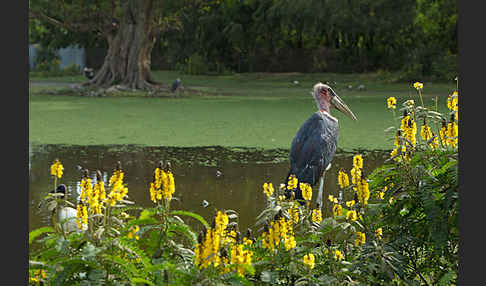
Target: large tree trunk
(127,61)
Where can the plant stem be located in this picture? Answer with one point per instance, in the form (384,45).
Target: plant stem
(421,100)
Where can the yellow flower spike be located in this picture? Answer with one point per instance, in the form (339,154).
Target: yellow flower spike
(337,210)
(290,243)
(434,144)
(294,213)
(338,255)
(418,85)
(379,233)
(391,102)
(350,203)
(358,161)
(360,238)
(355,175)
(133,232)
(425,132)
(452,101)
(380,195)
(316,215)
(57,169)
(363,192)
(343,179)
(309,260)
(452,133)
(268,189)
(351,216)
(306,191)
(292,183)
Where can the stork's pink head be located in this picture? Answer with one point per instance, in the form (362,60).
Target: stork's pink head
(326,97)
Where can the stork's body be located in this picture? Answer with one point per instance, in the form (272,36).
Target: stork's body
(315,143)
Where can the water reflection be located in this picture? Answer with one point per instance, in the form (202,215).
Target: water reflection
(226,179)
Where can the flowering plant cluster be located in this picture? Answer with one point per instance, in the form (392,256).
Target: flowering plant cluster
(396,224)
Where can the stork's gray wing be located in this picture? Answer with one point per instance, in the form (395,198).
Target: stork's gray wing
(313,148)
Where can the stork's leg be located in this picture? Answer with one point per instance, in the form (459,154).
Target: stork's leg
(321,187)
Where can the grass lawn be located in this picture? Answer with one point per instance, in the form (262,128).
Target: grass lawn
(241,110)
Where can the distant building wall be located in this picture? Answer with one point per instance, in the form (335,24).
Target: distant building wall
(67,56)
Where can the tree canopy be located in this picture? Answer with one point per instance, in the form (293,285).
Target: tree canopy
(418,37)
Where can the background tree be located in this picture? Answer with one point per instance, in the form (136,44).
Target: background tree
(417,38)
(128,27)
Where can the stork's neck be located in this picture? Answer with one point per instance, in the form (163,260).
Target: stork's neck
(324,106)
(328,115)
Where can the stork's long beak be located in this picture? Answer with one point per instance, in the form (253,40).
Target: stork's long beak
(339,104)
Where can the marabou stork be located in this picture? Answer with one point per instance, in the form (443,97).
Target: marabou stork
(315,143)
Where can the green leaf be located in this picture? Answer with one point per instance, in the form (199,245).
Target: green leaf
(147,213)
(140,280)
(447,278)
(193,215)
(35,233)
(89,251)
(183,229)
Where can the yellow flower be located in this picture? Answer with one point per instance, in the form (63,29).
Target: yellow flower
(351,215)
(397,139)
(390,201)
(279,231)
(358,161)
(222,221)
(363,192)
(169,186)
(380,195)
(443,134)
(239,257)
(292,183)
(452,133)
(337,210)
(309,260)
(355,175)
(379,233)
(57,169)
(133,231)
(418,85)
(350,203)
(41,273)
(81,216)
(409,128)
(434,144)
(116,177)
(316,215)
(268,189)
(425,132)
(360,238)
(343,179)
(332,199)
(338,255)
(452,102)
(290,243)
(391,102)
(294,213)
(163,186)
(306,191)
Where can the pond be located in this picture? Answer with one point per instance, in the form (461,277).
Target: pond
(225,178)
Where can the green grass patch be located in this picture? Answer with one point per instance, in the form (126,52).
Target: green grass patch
(242,110)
